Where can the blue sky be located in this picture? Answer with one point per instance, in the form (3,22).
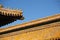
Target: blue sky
(33,9)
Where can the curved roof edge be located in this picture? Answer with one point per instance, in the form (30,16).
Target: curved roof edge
(41,21)
(10,12)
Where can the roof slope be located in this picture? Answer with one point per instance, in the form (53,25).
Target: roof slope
(31,24)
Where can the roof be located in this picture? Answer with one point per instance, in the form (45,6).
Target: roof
(10,12)
(43,21)
(9,15)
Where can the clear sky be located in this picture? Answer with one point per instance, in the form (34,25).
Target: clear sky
(33,9)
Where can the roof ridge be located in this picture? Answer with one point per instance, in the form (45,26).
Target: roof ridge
(49,19)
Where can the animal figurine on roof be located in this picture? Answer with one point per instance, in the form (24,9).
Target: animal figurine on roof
(9,15)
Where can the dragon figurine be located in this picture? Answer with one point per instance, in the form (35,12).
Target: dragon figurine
(9,15)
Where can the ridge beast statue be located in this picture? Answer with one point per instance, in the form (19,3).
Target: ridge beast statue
(9,15)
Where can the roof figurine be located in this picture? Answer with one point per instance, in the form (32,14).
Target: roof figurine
(9,15)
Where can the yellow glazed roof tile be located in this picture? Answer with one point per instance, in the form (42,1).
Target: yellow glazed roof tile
(34,22)
(9,15)
(9,12)
(42,29)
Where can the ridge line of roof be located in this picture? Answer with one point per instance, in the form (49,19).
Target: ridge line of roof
(34,22)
